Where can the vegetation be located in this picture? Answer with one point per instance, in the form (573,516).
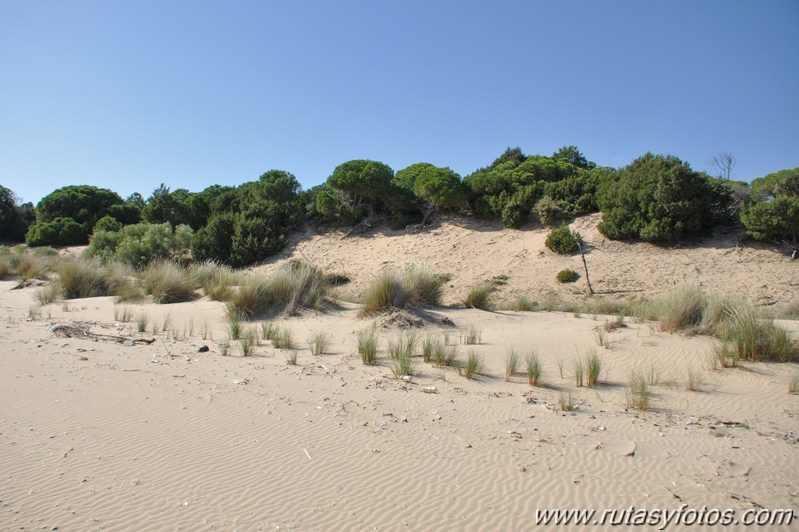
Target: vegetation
(418,286)
(167,282)
(659,198)
(638,394)
(562,241)
(567,276)
(774,212)
(533,365)
(479,296)
(367,346)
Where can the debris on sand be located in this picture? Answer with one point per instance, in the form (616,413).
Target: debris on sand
(82,329)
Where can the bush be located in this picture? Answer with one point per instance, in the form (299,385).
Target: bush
(58,232)
(773,220)
(562,241)
(107,223)
(567,276)
(139,244)
(550,212)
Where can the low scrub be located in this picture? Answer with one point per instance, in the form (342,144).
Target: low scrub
(562,241)
(567,276)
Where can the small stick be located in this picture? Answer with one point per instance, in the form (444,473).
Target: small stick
(307,454)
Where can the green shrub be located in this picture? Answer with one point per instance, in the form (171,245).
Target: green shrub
(773,220)
(550,212)
(567,276)
(107,223)
(58,232)
(139,244)
(562,241)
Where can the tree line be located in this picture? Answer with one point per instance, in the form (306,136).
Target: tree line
(656,198)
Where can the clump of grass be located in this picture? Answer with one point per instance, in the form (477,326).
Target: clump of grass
(428,346)
(402,365)
(142,320)
(402,346)
(793,383)
(615,324)
(248,341)
(235,326)
(479,296)
(166,322)
(524,304)
(319,342)
(593,369)
(472,336)
(533,363)
(693,380)
(653,376)
(473,366)
(385,292)
(291,358)
(423,286)
(294,287)
(88,278)
(224,348)
(167,282)
(123,314)
(511,363)
(638,394)
(752,339)
(34,312)
(445,355)
(567,403)
(48,294)
(216,280)
(268,330)
(725,356)
(682,308)
(600,339)
(283,339)
(367,346)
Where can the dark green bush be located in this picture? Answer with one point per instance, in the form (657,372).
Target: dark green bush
(58,232)
(658,198)
(562,241)
(567,276)
(107,223)
(773,220)
(550,212)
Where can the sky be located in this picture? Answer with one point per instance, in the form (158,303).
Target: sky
(127,95)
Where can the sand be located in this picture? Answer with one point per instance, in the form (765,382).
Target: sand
(101,435)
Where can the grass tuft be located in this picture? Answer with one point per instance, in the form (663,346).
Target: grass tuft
(48,294)
(472,337)
(793,383)
(511,363)
(638,394)
(167,282)
(479,296)
(319,342)
(367,346)
(533,363)
(402,365)
(473,366)
(567,403)
(402,346)
(593,367)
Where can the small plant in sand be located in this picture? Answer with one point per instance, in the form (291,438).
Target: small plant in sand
(428,346)
(319,342)
(472,336)
(47,295)
(653,375)
(479,296)
(235,326)
(618,323)
(693,379)
(166,323)
(512,360)
(444,354)
(579,373)
(224,348)
(533,363)
(34,312)
(142,320)
(402,365)
(283,339)
(524,304)
(291,358)
(367,346)
(567,403)
(725,356)
(268,330)
(753,339)
(473,366)
(793,383)
(601,339)
(638,394)
(567,276)
(123,314)
(593,366)
(402,346)
(248,341)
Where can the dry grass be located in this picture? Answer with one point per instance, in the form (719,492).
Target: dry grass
(294,287)
(367,346)
(417,286)
(167,282)
(533,363)
(479,296)
(638,394)
(319,343)
(512,361)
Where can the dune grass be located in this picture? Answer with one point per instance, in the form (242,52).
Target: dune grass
(167,282)
(473,336)
(403,345)
(512,361)
(48,294)
(693,379)
(479,296)
(319,343)
(418,286)
(638,394)
(567,403)
(533,366)
(216,280)
(293,287)
(793,382)
(367,346)
(88,278)
(402,365)
(593,365)
(523,304)
(473,366)
(283,338)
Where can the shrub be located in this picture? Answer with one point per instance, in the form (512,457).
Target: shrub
(773,220)
(550,212)
(167,282)
(562,241)
(567,276)
(659,198)
(140,244)
(107,223)
(59,232)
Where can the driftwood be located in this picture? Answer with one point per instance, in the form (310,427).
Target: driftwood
(82,330)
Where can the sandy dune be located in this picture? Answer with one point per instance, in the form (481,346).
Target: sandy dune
(99,435)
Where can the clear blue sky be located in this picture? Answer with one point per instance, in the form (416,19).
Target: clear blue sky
(129,94)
